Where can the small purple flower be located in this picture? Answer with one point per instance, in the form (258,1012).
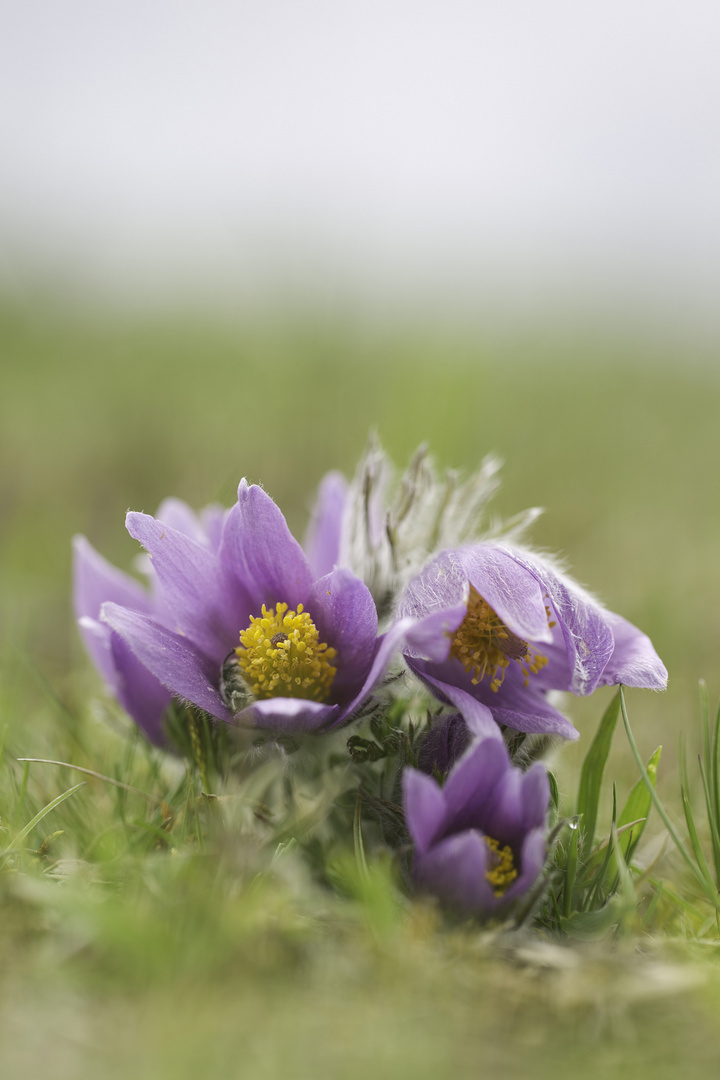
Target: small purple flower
(237,623)
(480,839)
(507,627)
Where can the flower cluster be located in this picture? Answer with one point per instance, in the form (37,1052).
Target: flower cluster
(241,623)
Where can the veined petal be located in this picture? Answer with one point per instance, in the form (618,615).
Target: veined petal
(204,601)
(510,590)
(384,648)
(174,660)
(425,810)
(584,623)
(344,612)
(634,661)
(322,540)
(260,551)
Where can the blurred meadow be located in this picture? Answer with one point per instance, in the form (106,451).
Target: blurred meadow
(234,240)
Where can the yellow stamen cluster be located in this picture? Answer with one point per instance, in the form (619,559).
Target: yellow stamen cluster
(484,645)
(502,873)
(281,655)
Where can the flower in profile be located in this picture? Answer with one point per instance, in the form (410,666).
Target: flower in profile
(479,840)
(96,582)
(507,626)
(243,629)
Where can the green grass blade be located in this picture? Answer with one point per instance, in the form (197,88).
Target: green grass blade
(637,808)
(712,821)
(705,883)
(593,768)
(358,841)
(18,839)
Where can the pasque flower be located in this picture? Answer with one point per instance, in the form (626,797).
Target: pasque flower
(96,582)
(507,626)
(236,622)
(479,840)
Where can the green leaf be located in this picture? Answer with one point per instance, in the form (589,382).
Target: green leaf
(587,924)
(592,772)
(637,807)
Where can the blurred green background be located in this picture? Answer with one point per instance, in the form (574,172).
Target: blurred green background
(101,412)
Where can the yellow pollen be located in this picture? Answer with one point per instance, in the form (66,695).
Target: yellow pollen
(484,645)
(502,873)
(281,655)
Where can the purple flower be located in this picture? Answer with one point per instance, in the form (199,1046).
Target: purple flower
(237,623)
(506,626)
(96,582)
(480,839)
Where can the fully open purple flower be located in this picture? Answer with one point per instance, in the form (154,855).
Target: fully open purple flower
(238,625)
(480,839)
(507,627)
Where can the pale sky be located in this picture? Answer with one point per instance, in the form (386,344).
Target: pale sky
(400,149)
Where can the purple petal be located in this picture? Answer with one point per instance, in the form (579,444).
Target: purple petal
(584,624)
(634,661)
(203,600)
(175,661)
(288,715)
(385,647)
(532,860)
(344,612)
(431,636)
(513,593)
(179,516)
(513,705)
(470,787)
(503,814)
(96,639)
(542,720)
(441,585)
(424,808)
(322,540)
(212,519)
(95,580)
(260,551)
(478,717)
(139,692)
(455,869)
(535,796)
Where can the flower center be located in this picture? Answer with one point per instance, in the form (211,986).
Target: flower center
(485,645)
(281,655)
(501,871)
